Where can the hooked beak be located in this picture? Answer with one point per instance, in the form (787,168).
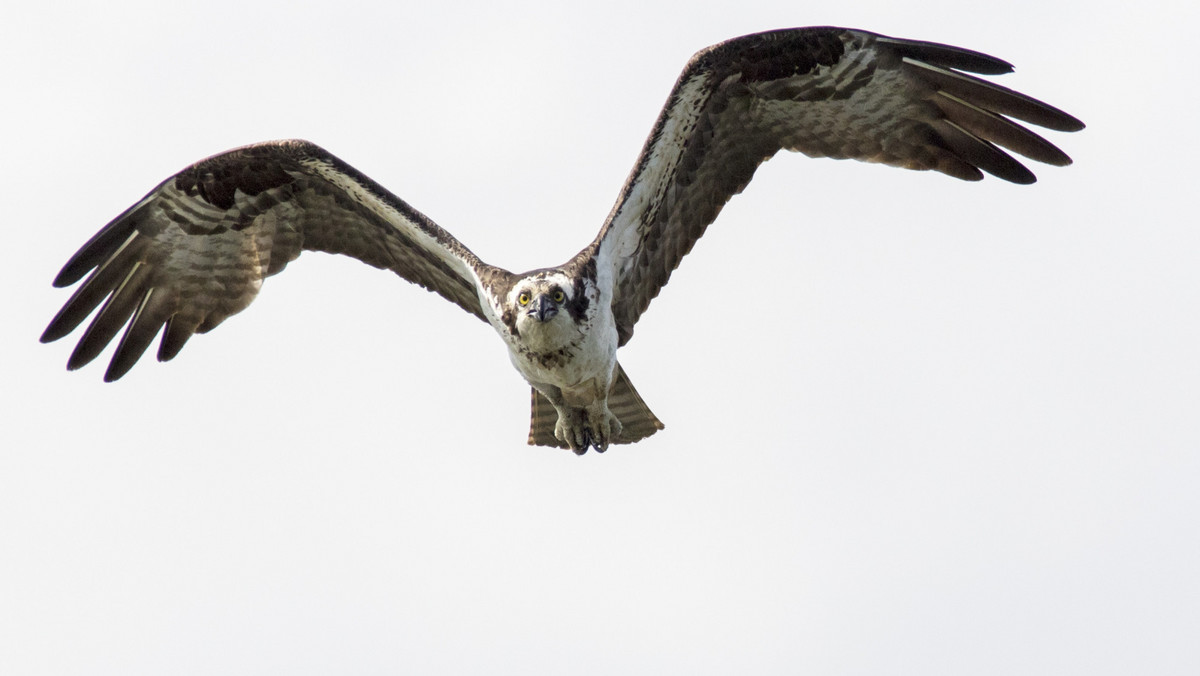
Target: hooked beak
(543,309)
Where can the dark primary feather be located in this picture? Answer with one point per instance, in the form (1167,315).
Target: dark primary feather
(824,92)
(196,249)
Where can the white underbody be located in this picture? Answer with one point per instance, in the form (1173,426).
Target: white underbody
(570,362)
(588,355)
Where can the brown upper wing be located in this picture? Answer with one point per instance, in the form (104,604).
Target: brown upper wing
(825,92)
(196,249)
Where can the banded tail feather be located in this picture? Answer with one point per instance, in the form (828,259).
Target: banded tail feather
(637,420)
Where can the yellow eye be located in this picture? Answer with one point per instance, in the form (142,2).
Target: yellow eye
(523,299)
(558,296)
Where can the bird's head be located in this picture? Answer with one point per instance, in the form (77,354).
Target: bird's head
(539,299)
(542,307)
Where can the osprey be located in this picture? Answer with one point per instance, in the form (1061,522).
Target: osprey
(196,249)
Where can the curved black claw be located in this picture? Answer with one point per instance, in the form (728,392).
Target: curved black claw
(587,441)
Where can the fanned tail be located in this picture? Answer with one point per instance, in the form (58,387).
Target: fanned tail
(542,418)
(637,421)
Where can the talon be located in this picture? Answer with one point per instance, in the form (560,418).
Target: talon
(600,444)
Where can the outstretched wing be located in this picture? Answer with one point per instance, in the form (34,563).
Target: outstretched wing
(196,249)
(825,92)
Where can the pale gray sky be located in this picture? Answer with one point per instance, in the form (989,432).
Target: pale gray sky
(914,425)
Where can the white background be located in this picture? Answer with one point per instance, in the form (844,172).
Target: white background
(914,425)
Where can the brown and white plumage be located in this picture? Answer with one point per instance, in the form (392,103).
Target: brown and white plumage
(195,250)
(825,92)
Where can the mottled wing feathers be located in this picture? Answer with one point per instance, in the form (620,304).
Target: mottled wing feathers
(196,249)
(825,92)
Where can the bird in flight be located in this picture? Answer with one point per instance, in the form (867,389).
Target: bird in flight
(197,248)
